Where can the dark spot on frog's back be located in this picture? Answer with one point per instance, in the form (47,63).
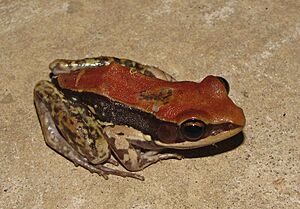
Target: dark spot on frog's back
(163,95)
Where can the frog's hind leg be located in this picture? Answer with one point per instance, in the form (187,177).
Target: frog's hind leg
(66,66)
(43,94)
(54,140)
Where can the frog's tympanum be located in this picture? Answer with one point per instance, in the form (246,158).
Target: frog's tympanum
(98,107)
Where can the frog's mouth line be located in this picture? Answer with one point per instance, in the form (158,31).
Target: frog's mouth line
(217,136)
(213,133)
(216,129)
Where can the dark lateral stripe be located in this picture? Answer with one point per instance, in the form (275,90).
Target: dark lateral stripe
(118,113)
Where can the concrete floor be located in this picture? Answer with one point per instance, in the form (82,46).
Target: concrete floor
(255,45)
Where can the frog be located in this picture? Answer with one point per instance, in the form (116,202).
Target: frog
(103,113)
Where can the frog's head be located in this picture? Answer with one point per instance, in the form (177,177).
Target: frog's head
(204,115)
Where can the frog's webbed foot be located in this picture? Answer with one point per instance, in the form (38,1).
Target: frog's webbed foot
(155,155)
(116,172)
(151,157)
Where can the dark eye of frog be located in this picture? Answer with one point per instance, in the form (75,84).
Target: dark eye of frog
(225,83)
(192,129)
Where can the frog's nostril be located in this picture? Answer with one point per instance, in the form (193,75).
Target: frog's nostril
(192,129)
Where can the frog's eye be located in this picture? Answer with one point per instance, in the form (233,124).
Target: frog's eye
(192,129)
(225,83)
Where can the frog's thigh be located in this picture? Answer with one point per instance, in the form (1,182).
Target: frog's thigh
(48,100)
(74,122)
(57,142)
(130,157)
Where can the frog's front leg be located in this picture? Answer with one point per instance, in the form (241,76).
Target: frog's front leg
(131,156)
(71,130)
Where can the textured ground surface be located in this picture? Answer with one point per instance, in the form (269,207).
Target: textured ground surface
(255,45)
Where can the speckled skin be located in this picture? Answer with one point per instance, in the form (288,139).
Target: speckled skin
(72,127)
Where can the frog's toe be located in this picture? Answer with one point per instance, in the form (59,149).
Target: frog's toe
(111,171)
(113,162)
(162,156)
